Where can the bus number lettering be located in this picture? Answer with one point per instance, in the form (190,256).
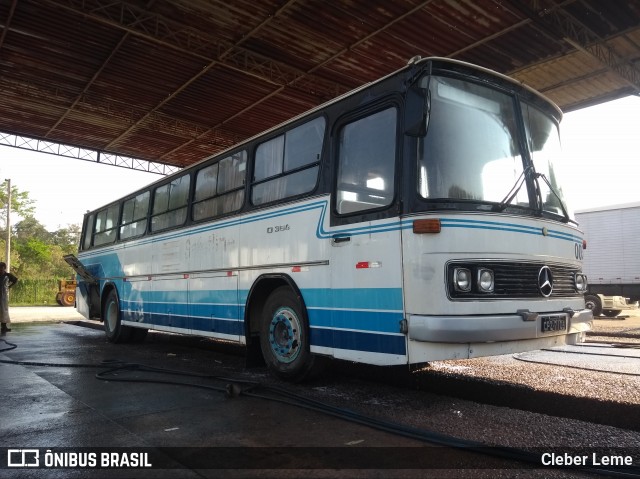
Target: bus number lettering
(277,229)
(579,251)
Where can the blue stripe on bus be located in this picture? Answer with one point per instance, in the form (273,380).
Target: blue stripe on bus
(502,226)
(229,311)
(321,233)
(184,309)
(378,321)
(223,326)
(330,338)
(393,225)
(359,341)
(214,296)
(354,298)
(375,321)
(218,325)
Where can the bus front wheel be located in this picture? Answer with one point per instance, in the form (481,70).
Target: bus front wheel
(112,317)
(284,336)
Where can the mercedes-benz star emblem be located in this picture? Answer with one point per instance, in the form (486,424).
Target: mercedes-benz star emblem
(545,281)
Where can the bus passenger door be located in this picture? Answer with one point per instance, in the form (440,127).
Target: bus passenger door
(366,254)
(366,294)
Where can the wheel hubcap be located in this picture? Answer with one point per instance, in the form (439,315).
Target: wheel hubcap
(112,315)
(284,335)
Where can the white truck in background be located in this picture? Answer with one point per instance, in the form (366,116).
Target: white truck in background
(611,257)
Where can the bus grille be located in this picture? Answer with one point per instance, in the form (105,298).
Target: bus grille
(515,280)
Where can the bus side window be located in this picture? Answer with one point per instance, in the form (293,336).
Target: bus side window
(367,158)
(134,216)
(288,165)
(170,204)
(87,233)
(106,224)
(220,187)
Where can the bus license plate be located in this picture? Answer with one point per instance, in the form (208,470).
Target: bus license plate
(556,322)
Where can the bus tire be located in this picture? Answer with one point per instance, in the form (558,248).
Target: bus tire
(284,336)
(592,302)
(115,331)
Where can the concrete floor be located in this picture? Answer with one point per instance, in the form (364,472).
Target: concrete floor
(67,407)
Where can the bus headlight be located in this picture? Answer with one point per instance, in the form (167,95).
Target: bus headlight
(485,280)
(580,281)
(462,279)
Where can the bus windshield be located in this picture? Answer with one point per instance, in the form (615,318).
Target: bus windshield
(471,150)
(544,144)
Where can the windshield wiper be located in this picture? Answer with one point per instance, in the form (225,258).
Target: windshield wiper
(565,214)
(513,191)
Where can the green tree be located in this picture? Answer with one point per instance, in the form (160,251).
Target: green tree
(35,258)
(67,238)
(35,252)
(21,204)
(31,228)
(38,253)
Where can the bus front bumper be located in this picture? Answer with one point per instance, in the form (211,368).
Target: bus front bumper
(492,328)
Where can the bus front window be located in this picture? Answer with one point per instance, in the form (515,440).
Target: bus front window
(470,151)
(544,144)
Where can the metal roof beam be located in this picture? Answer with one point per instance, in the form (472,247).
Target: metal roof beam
(87,154)
(157,29)
(306,74)
(568,28)
(137,21)
(86,87)
(7,24)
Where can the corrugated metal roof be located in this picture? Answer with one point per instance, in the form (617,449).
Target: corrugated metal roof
(176,81)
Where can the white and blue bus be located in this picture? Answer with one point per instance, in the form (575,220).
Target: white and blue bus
(417,218)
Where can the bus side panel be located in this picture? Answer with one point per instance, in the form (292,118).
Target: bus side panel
(213,305)
(213,287)
(285,241)
(138,286)
(365,301)
(136,294)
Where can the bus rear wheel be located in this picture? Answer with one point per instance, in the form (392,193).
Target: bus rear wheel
(115,331)
(284,336)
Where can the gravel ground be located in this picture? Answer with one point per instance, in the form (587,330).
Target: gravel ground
(545,377)
(561,379)
(472,421)
(502,426)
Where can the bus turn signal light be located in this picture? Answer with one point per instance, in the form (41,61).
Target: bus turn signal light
(427,226)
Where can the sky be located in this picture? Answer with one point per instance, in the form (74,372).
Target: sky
(601,147)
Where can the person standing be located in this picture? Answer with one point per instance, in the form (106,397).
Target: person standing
(7,280)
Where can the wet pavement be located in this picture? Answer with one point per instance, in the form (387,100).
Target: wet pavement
(47,406)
